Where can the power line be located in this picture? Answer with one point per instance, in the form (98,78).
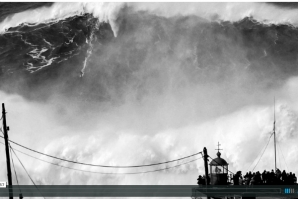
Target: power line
(132,166)
(14,168)
(263,152)
(103,172)
(26,171)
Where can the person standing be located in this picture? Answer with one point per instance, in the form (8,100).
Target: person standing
(295,178)
(240,180)
(264,177)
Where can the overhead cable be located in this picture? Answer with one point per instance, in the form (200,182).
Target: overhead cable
(26,171)
(14,169)
(279,147)
(263,151)
(105,172)
(97,165)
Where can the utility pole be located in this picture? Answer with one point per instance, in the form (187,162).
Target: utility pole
(5,128)
(274,138)
(206,168)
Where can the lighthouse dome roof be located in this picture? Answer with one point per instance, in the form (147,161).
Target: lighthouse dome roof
(218,161)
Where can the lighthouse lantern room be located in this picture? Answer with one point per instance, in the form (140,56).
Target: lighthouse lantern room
(219,170)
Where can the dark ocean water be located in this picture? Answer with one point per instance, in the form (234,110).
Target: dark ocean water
(79,56)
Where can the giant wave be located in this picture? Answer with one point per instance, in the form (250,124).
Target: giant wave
(102,80)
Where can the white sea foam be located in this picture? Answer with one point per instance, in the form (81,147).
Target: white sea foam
(105,12)
(109,12)
(37,55)
(265,13)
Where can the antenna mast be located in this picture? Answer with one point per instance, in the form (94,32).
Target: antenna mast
(274,138)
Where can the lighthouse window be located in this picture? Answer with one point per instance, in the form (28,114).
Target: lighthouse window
(218,170)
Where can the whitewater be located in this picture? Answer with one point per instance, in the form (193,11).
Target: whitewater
(138,83)
(109,12)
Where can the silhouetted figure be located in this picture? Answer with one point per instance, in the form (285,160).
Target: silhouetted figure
(295,179)
(264,177)
(278,176)
(284,177)
(288,180)
(272,177)
(247,178)
(268,176)
(203,180)
(240,179)
(236,178)
(245,175)
(249,175)
(291,178)
(257,178)
(200,180)
(252,181)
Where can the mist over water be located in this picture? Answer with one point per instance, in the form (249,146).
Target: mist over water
(129,84)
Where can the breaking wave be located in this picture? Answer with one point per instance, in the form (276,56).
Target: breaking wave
(104,12)
(165,78)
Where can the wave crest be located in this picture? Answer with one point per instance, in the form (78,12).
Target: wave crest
(105,12)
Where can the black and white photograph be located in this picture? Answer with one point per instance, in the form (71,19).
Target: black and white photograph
(148,93)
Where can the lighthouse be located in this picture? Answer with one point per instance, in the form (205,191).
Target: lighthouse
(218,170)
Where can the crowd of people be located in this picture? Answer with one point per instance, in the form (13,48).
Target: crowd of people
(258,178)
(265,178)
